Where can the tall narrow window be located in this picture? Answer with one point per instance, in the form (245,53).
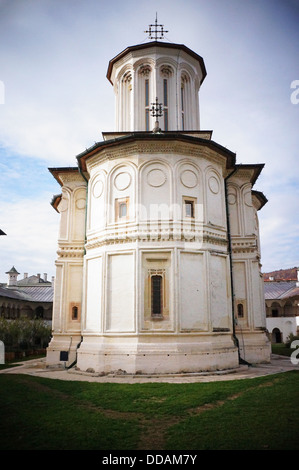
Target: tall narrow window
(182,107)
(165,102)
(126,101)
(156,294)
(147,109)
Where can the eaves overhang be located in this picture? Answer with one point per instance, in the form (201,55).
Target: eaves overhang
(158,137)
(260,197)
(56,172)
(55,201)
(255,168)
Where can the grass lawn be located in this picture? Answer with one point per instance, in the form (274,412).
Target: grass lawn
(46,414)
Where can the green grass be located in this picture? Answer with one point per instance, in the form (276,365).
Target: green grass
(45,414)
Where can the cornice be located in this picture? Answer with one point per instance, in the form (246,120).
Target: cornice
(151,143)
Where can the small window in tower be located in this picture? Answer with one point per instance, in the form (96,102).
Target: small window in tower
(189,207)
(122,209)
(156,294)
(240,310)
(75,313)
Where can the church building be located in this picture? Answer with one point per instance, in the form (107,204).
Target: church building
(158,265)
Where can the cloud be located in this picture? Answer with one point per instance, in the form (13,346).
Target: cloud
(30,244)
(279,229)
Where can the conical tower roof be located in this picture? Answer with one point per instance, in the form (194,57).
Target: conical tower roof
(12,271)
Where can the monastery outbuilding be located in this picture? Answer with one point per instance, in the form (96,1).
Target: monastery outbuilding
(159,263)
(31,296)
(282,304)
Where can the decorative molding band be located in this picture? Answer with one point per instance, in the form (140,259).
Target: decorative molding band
(70,252)
(157,236)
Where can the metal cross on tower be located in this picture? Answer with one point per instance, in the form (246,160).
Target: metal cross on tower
(156,33)
(157,111)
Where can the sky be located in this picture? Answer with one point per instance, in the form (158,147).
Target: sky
(55,101)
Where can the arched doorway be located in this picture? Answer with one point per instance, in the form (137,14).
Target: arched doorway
(39,312)
(276,336)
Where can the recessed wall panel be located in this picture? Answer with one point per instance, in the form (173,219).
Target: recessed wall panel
(120,311)
(193,308)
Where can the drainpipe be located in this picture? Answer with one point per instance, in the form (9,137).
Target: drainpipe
(78,346)
(236,341)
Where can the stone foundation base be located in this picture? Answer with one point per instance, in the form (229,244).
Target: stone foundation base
(62,350)
(156,357)
(254,348)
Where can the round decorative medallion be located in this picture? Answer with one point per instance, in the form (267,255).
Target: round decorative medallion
(189,178)
(231,198)
(122,181)
(156,178)
(80,203)
(214,184)
(98,188)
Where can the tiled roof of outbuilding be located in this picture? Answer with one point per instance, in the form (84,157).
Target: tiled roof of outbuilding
(13,294)
(280,289)
(38,294)
(30,294)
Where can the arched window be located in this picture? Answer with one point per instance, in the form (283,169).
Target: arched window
(165,93)
(185,101)
(144,74)
(240,311)
(126,100)
(147,104)
(75,313)
(182,106)
(165,103)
